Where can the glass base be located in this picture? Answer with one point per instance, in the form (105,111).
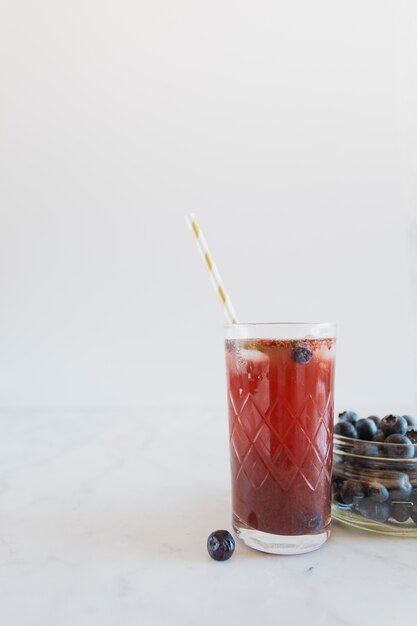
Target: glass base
(280,544)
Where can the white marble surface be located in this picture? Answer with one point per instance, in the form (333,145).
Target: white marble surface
(104,518)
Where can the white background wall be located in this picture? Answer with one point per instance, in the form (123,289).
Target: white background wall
(289,127)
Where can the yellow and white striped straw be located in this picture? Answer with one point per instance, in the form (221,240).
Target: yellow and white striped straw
(212,268)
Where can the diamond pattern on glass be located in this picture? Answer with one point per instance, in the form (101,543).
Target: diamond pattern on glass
(261,450)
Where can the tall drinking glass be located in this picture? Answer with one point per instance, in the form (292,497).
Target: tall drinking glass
(280,398)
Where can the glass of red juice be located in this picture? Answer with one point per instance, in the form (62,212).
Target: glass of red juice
(280,380)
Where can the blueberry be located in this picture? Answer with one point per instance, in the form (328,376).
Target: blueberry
(379,437)
(352,491)
(349,466)
(393,425)
(412,435)
(411,421)
(377,492)
(349,416)
(365,448)
(400,489)
(302,353)
(366,429)
(345,429)
(399,495)
(378,512)
(220,545)
(313,521)
(401,511)
(376,420)
(401,447)
(397,480)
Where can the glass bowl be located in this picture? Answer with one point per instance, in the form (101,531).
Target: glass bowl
(374,486)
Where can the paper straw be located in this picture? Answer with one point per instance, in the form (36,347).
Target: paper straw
(212,268)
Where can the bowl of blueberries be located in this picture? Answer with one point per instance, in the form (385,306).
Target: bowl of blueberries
(375,473)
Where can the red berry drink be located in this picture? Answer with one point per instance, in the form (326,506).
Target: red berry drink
(280,397)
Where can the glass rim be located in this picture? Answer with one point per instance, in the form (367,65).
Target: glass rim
(237,324)
(281,330)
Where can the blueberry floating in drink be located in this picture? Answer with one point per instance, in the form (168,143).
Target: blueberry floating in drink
(302,353)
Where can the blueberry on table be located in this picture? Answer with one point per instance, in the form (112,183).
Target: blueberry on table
(345,429)
(302,353)
(394,425)
(377,492)
(378,512)
(220,545)
(401,447)
(366,429)
(411,421)
(351,491)
(349,416)
(376,420)
(401,511)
